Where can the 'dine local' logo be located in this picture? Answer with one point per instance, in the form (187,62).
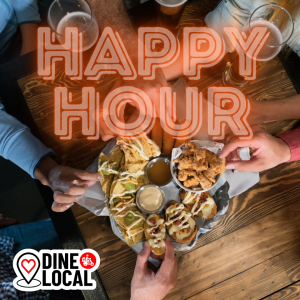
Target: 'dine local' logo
(55,269)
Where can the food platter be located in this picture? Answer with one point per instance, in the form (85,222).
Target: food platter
(219,192)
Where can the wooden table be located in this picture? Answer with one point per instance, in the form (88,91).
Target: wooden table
(252,253)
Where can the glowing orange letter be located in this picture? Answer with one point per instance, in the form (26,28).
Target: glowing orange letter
(49,53)
(235,116)
(87,111)
(202,48)
(247,48)
(150,60)
(110,57)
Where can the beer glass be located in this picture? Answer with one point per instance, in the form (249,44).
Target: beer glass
(280,26)
(73,13)
(169,13)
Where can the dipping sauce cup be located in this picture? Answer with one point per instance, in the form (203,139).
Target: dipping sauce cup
(158,171)
(150,199)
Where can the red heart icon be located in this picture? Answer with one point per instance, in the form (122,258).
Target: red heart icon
(28,262)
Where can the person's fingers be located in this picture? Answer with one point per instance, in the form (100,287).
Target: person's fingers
(173,276)
(85,182)
(61,197)
(235,154)
(169,249)
(253,165)
(233,145)
(229,137)
(61,207)
(142,258)
(167,265)
(85,175)
(158,257)
(76,190)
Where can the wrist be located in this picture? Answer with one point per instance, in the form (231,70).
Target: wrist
(285,151)
(43,169)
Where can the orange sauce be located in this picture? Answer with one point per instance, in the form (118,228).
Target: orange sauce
(159,173)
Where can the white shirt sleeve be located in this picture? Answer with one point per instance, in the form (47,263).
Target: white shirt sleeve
(18,144)
(26,11)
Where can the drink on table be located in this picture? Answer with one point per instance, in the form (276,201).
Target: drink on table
(169,13)
(280,27)
(68,13)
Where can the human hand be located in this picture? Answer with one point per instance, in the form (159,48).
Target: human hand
(68,184)
(6,222)
(269,151)
(145,284)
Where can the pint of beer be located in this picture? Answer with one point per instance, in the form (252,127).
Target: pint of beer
(169,13)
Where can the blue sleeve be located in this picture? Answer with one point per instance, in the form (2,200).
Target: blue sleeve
(18,145)
(26,11)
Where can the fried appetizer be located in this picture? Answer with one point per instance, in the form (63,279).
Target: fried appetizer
(210,157)
(219,167)
(155,233)
(200,204)
(157,133)
(204,182)
(130,222)
(181,224)
(168,142)
(198,167)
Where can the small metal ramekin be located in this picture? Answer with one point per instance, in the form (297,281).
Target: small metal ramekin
(152,162)
(138,199)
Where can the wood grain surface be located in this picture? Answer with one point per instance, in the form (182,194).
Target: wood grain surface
(291,292)
(252,253)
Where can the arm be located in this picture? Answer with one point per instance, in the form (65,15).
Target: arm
(29,34)
(292,139)
(68,184)
(28,17)
(268,111)
(145,283)
(18,145)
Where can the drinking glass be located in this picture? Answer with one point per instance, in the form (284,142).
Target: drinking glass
(280,26)
(73,13)
(169,13)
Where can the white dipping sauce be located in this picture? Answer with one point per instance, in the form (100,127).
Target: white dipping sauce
(150,198)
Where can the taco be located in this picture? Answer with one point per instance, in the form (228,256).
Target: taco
(200,204)
(136,171)
(138,150)
(108,167)
(155,233)
(131,223)
(122,191)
